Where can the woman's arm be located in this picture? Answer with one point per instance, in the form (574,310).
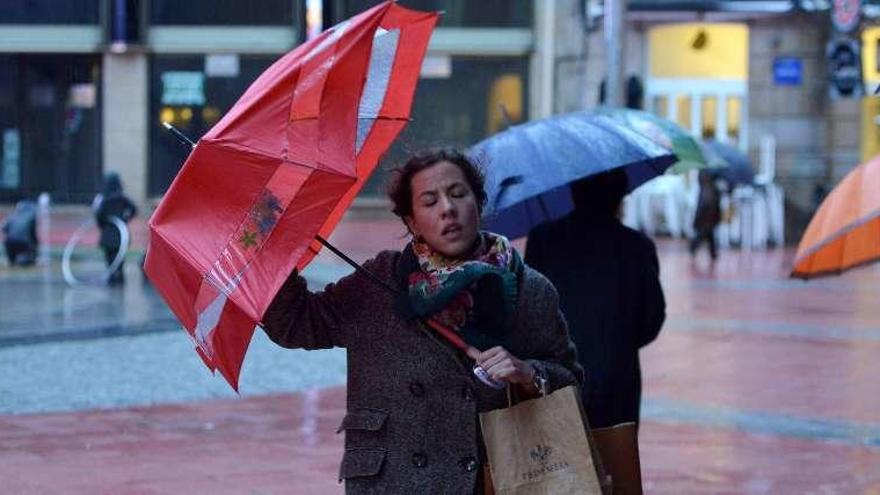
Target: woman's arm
(542,355)
(551,351)
(298,318)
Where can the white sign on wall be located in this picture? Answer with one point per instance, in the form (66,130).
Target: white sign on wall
(436,67)
(222,65)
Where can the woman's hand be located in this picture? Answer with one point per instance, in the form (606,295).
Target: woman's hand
(503,366)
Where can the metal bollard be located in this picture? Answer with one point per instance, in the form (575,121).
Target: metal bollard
(44,227)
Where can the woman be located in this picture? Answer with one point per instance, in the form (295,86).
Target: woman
(412,424)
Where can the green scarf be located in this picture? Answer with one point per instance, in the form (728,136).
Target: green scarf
(475,297)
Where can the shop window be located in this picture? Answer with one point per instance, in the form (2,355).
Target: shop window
(192,92)
(709,111)
(683,111)
(459,109)
(50,11)
(505,105)
(50,126)
(457,13)
(223,12)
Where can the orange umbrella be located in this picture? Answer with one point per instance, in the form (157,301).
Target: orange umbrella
(845,232)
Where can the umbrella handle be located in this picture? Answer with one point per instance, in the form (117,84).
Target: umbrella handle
(471,351)
(454,339)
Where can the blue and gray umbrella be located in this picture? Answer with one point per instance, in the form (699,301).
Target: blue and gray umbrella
(738,169)
(529,167)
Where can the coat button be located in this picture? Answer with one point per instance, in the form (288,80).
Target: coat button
(417,389)
(467,392)
(469,464)
(419,459)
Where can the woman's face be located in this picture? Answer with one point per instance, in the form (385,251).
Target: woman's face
(444,210)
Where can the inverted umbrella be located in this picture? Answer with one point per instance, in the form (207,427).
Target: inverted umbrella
(845,231)
(528,167)
(691,156)
(278,171)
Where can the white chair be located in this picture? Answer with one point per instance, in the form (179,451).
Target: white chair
(723,231)
(774,208)
(776,213)
(742,220)
(629,213)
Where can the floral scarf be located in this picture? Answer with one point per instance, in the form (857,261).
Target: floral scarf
(475,297)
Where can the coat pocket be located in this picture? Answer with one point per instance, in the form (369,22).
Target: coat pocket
(364,418)
(359,463)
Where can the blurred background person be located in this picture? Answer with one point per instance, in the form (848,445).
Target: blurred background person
(112,202)
(708,215)
(20,234)
(609,287)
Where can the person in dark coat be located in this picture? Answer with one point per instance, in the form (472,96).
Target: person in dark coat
(708,215)
(20,234)
(411,424)
(609,290)
(109,203)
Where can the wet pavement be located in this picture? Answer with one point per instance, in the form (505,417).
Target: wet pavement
(757,384)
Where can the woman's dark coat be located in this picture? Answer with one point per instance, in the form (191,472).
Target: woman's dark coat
(411,424)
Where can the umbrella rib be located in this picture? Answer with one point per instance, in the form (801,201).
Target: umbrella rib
(375,117)
(257,152)
(807,275)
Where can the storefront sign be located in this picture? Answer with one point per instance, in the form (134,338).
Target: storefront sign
(844,68)
(437,67)
(83,95)
(222,65)
(183,88)
(787,71)
(846,14)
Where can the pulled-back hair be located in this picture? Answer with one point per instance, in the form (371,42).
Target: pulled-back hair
(400,183)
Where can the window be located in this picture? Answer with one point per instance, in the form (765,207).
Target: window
(458,13)
(223,12)
(459,109)
(49,12)
(50,126)
(192,92)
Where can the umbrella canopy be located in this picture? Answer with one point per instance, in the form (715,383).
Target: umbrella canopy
(667,134)
(845,231)
(528,167)
(280,168)
(738,168)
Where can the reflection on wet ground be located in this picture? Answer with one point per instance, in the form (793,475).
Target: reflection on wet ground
(757,384)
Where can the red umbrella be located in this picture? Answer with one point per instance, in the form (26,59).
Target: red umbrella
(278,170)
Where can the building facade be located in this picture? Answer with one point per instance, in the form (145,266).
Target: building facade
(742,71)
(86,84)
(84,88)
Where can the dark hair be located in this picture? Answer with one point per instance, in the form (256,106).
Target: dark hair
(600,194)
(400,183)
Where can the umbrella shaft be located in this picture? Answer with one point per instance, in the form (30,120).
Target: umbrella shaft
(356,265)
(445,332)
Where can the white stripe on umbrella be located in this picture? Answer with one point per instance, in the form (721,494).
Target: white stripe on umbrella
(379,73)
